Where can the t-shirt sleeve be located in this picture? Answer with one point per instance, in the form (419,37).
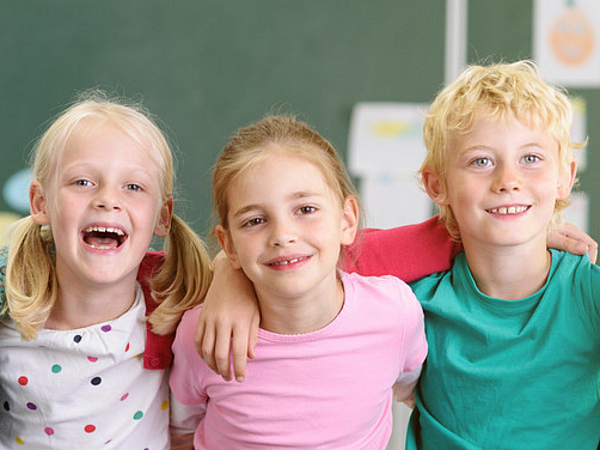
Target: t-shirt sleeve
(415,342)
(409,252)
(185,377)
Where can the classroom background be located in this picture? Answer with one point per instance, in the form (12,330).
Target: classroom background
(208,67)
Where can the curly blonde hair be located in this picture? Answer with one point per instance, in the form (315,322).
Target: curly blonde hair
(500,91)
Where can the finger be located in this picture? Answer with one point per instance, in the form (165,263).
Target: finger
(206,346)
(239,348)
(253,339)
(571,231)
(221,351)
(593,252)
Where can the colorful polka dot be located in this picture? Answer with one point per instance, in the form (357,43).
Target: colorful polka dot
(31,406)
(49,431)
(138,415)
(106,328)
(6,406)
(125,395)
(56,368)
(23,381)
(77,338)
(127,347)
(92,359)
(96,381)
(89,428)
(20,441)
(164,405)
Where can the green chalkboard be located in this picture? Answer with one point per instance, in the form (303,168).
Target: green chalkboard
(207,67)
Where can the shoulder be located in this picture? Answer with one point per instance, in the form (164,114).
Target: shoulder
(386,291)
(189,320)
(575,271)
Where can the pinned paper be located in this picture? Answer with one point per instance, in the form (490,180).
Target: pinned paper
(566,41)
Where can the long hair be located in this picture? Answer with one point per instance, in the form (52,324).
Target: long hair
(31,281)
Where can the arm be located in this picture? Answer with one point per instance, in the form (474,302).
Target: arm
(229,319)
(413,251)
(404,388)
(571,239)
(183,424)
(409,252)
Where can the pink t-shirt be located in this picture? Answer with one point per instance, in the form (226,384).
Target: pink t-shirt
(330,389)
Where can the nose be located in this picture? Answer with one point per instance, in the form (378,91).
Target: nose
(107,199)
(507,179)
(282,233)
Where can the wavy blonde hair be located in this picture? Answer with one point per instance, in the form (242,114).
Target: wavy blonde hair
(500,91)
(31,282)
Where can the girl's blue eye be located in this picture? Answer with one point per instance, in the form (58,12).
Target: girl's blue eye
(482,162)
(531,159)
(83,183)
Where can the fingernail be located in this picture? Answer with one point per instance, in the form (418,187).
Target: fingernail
(240,379)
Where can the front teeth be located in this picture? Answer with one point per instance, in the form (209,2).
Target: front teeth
(116,231)
(285,263)
(509,210)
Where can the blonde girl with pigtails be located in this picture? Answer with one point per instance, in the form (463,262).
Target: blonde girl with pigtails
(82,332)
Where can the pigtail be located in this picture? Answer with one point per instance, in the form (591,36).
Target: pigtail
(31,283)
(183,279)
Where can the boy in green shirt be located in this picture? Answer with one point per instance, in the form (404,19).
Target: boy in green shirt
(513,328)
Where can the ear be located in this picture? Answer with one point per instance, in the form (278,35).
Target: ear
(434,186)
(163,224)
(566,181)
(38,204)
(350,217)
(224,238)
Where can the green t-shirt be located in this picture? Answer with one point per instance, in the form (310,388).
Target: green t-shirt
(520,374)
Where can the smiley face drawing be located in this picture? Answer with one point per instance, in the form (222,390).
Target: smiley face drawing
(572,37)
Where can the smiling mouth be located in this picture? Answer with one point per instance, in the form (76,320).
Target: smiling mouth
(288,261)
(104,238)
(506,210)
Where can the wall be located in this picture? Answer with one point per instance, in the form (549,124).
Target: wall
(208,67)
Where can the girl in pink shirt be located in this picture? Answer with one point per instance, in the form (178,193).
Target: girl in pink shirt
(331,345)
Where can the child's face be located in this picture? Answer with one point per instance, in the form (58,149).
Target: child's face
(502,182)
(286,226)
(104,205)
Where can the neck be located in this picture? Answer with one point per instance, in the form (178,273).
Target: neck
(302,314)
(80,305)
(510,272)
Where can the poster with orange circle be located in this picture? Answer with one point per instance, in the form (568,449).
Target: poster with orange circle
(566,41)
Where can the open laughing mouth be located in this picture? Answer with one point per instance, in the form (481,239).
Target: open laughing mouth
(104,238)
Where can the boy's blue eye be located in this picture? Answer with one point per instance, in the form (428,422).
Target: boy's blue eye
(531,159)
(83,183)
(133,187)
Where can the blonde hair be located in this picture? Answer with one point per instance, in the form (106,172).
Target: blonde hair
(31,281)
(252,144)
(500,91)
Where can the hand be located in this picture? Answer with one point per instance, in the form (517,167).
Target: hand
(229,319)
(571,239)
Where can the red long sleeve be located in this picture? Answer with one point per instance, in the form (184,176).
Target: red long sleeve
(409,252)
